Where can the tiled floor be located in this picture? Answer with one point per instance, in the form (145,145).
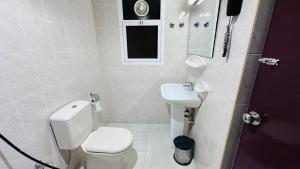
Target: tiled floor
(152,146)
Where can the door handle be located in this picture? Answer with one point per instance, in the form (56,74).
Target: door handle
(252,118)
(269,61)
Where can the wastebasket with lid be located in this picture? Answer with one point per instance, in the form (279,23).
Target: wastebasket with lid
(183,150)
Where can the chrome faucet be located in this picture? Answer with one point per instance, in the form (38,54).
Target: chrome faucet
(189,85)
(94,97)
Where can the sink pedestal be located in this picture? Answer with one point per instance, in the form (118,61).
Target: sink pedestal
(179,96)
(177,120)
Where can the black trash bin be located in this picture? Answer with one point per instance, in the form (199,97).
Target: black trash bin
(184,147)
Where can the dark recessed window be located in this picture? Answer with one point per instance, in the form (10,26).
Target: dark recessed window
(142,42)
(142,31)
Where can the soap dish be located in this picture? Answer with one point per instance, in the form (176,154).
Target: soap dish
(196,65)
(202,88)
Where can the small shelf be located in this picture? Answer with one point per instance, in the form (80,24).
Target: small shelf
(196,65)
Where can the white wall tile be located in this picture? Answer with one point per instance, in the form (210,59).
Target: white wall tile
(47,58)
(11,122)
(176,38)
(175,58)
(55,99)
(39,145)
(31,5)
(120,93)
(18,77)
(12,37)
(99,15)
(104,2)
(148,112)
(52,10)
(148,93)
(106,15)
(33,112)
(123,112)
(9,158)
(142,82)
(36,31)
(66,65)
(47,71)
(57,36)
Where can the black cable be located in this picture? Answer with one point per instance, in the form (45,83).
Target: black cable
(25,154)
(227,38)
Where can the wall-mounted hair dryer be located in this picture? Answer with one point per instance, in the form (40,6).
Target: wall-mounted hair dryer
(233,9)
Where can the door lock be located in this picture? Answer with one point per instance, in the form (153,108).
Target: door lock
(252,118)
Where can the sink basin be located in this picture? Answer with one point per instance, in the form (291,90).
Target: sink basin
(180,94)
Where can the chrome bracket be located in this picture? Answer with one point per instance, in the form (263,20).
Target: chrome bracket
(252,118)
(269,61)
(94,97)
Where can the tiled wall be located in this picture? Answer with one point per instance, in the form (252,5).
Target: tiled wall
(214,117)
(48,57)
(131,93)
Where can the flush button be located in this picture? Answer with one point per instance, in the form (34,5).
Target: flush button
(74,106)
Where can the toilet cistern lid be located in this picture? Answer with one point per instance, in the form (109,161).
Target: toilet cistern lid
(110,140)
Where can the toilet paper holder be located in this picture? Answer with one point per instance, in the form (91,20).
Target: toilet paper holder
(95,97)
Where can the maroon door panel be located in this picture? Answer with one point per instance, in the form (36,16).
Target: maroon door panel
(275,144)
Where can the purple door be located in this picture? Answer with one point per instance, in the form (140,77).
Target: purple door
(275,143)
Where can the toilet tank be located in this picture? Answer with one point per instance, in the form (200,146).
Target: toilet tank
(72,124)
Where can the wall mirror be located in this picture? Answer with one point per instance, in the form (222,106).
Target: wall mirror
(203,20)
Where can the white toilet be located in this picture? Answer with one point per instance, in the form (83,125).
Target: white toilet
(72,126)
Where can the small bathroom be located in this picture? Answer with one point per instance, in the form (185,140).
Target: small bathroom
(149,84)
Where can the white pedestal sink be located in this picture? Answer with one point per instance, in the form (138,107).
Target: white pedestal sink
(180,96)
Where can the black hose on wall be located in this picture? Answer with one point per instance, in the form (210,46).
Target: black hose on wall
(25,154)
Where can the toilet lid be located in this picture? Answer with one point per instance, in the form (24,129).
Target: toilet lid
(110,140)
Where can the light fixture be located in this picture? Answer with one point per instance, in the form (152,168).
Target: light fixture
(141,8)
(195,2)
